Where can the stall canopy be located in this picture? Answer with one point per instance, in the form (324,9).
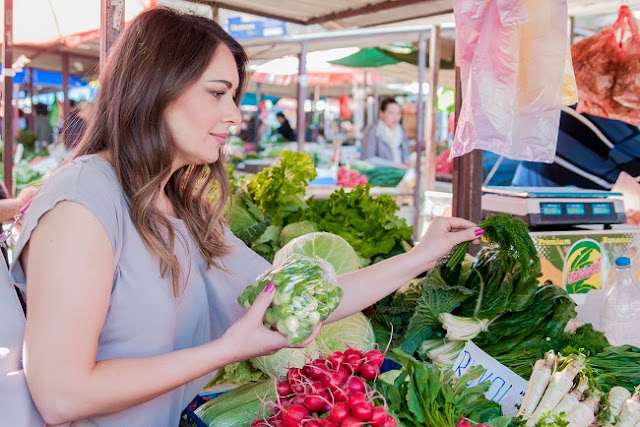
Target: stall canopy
(67,22)
(339,13)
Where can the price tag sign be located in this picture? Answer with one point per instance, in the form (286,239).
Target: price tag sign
(507,388)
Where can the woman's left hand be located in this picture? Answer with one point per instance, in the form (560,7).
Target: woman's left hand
(441,236)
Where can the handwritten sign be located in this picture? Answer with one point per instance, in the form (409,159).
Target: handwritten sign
(507,388)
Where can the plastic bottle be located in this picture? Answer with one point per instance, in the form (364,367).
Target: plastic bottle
(620,313)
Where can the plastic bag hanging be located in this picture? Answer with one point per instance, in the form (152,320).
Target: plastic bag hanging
(512,67)
(607,67)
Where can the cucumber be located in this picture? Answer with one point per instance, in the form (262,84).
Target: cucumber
(241,404)
(241,416)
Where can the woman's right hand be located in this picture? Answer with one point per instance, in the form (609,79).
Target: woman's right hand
(252,339)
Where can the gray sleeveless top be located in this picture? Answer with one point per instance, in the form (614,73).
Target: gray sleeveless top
(144,318)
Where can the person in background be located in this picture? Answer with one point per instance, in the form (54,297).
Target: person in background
(285,127)
(130,273)
(74,126)
(41,126)
(384,142)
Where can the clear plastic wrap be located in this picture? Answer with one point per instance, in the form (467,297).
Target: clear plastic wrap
(513,59)
(306,293)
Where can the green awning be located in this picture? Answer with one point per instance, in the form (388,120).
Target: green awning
(379,57)
(368,57)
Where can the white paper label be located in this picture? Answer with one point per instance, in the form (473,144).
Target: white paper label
(507,388)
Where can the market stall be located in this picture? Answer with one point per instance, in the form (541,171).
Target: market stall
(499,338)
(495,337)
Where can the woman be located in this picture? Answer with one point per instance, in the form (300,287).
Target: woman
(384,142)
(130,274)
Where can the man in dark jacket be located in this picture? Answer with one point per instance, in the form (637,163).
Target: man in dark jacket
(591,153)
(285,128)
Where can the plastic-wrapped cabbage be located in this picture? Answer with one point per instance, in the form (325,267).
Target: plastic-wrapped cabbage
(307,292)
(330,247)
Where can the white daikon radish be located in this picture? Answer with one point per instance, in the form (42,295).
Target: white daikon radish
(585,413)
(617,396)
(630,413)
(538,382)
(560,384)
(571,400)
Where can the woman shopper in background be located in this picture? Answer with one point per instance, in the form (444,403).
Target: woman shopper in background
(130,273)
(384,142)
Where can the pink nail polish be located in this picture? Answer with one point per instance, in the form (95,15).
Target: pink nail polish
(479,231)
(270,287)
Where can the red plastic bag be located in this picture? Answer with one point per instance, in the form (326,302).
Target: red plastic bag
(626,90)
(607,68)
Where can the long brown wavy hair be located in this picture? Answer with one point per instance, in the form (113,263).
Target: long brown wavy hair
(159,56)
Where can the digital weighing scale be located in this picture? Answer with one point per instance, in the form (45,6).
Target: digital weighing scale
(553,206)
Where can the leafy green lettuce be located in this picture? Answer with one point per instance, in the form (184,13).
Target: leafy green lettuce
(280,189)
(369,224)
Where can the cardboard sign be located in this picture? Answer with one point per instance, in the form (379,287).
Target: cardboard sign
(507,388)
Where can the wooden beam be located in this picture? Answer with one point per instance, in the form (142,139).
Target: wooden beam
(111,24)
(364,10)
(417,191)
(302,95)
(7,96)
(434,69)
(467,174)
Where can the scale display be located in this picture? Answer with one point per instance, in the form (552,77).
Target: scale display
(602,209)
(551,208)
(574,211)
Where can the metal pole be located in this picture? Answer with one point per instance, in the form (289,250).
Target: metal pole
(30,117)
(434,69)
(422,65)
(65,84)
(302,95)
(7,96)
(111,24)
(215,14)
(572,29)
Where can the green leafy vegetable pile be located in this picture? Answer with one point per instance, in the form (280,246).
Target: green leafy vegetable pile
(369,224)
(306,294)
(245,219)
(269,210)
(493,299)
(279,190)
(424,395)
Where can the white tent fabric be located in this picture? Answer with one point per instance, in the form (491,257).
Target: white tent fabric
(47,21)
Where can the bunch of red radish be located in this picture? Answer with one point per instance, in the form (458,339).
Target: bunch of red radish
(465,423)
(331,392)
(351,178)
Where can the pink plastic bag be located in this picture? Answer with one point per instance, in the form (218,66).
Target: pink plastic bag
(512,57)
